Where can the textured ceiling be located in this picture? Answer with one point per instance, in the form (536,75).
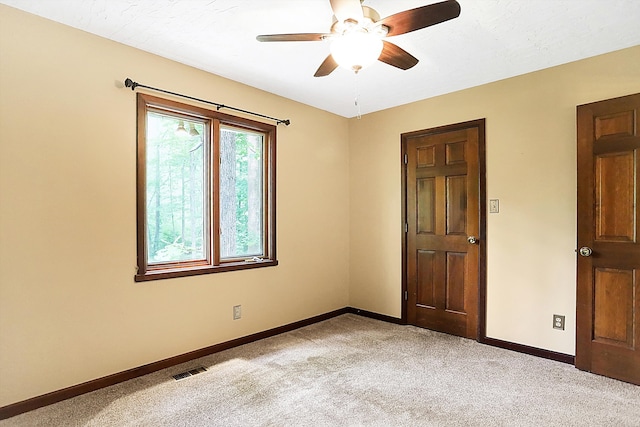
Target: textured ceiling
(491,40)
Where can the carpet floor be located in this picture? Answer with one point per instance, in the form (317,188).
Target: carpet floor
(355,371)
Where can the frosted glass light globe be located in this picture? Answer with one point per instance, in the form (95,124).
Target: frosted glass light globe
(356,50)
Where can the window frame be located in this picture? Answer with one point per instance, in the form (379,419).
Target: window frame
(212,262)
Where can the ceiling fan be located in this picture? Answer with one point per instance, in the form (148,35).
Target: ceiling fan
(357,34)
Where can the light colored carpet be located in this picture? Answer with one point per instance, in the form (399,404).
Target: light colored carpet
(355,371)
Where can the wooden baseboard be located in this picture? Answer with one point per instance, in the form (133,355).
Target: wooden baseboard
(534,351)
(520,348)
(76,390)
(376,316)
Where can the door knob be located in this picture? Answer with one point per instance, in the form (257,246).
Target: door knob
(585,251)
(472,240)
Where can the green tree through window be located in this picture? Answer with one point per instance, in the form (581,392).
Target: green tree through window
(176,186)
(240,191)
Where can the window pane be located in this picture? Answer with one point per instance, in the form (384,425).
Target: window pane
(176,188)
(241,193)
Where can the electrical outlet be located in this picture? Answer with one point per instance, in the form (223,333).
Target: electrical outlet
(558,322)
(494,206)
(237,312)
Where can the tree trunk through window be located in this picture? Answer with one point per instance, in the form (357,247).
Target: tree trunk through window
(228,198)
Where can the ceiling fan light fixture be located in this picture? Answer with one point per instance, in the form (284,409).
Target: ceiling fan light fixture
(180,130)
(357,34)
(193,131)
(356,50)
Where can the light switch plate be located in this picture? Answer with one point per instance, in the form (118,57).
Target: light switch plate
(494,205)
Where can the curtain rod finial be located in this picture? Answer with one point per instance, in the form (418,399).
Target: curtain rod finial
(130,83)
(286,122)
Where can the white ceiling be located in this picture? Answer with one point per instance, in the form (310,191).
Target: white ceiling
(491,40)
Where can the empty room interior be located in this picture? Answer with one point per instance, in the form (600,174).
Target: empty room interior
(84,306)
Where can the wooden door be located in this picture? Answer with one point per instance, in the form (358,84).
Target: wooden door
(608,272)
(441,257)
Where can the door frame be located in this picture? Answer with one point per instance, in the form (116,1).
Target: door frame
(482,215)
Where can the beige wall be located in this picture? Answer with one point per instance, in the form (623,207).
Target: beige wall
(531,169)
(69,308)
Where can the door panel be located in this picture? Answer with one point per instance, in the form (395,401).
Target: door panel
(441,181)
(426,156)
(613,306)
(457,205)
(455,152)
(426,279)
(426,205)
(615,190)
(456,271)
(615,125)
(608,298)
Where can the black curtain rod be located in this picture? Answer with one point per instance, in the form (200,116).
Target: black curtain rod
(133,85)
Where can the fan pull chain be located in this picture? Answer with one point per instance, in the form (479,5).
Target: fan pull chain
(357,94)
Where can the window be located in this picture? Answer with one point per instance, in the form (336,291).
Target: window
(206,191)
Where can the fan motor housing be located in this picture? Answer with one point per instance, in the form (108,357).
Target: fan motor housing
(370,15)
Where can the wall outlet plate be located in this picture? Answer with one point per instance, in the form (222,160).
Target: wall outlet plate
(494,205)
(558,322)
(237,312)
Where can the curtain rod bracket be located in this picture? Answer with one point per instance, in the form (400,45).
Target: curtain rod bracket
(133,85)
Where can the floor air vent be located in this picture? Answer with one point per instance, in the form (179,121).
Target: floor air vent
(190,373)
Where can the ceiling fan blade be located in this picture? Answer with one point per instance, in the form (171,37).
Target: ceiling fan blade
(396,56)
(345,9)
(327,67)
(421,17)
(302,37)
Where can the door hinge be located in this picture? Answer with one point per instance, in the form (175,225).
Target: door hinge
(406,295)
(406,159)
(406,227)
